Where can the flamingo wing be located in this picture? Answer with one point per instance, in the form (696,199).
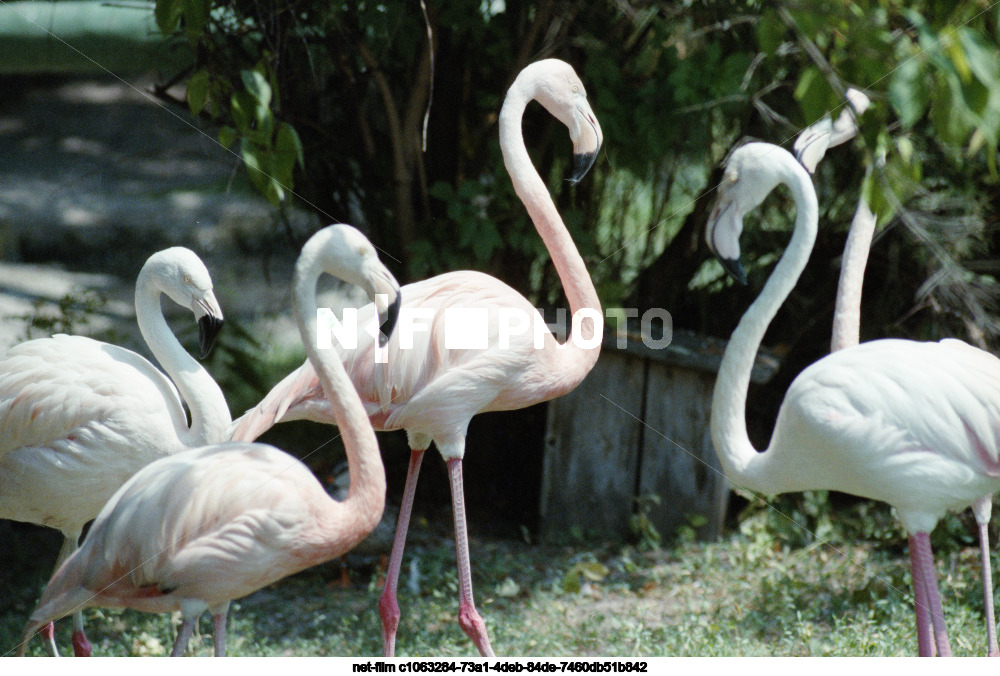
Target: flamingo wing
(54,387)
(206,525)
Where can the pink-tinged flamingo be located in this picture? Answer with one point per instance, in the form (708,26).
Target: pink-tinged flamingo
(810,146)
(433,392)
(912,424)
(197,529)
(79,417)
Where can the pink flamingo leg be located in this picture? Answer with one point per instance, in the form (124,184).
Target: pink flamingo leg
(81,646)
(48,632)
(991,625)
(925,639)
(183,636)
(388,608)
(982,509)
(219,631)
(468,618)
(920,551)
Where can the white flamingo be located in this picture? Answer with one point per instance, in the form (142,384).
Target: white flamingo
(79,416)
(912,424)
(810,146)
(197,529)
(433,392)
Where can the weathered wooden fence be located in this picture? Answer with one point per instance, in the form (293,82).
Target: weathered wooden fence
(638,425)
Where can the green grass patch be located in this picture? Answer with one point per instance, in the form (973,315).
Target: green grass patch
(747,595)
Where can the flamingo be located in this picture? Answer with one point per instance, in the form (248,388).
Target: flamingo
(433,392)
(197,529)
(810,146)
(80,416)
(905,422)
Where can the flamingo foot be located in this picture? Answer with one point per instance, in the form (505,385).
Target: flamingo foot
(81,646)
(48,632)
(474,626)
(388,610)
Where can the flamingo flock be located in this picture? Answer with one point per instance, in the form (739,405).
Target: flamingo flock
(190,512)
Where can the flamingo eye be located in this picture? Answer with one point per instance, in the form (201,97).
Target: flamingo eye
(576,89)
(187,279)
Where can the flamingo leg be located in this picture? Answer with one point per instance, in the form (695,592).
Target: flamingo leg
(388,608)
(183,636)
(219,615)
(982,509)
(468,618)
(925,639)
(921,551)
(81,646)
(47,632)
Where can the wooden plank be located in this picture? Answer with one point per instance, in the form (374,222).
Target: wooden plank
(591,451)
(686,349)
(678,461)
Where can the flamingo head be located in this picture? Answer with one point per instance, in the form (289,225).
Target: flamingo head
(752,171)
(347,254)
(559,89)
(182,276)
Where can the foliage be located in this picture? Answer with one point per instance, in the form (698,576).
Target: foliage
(73,313)
(642,526)
(747,595)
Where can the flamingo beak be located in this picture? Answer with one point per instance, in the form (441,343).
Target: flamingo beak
(723,236)
(210,320)
(388,301)
(587,141)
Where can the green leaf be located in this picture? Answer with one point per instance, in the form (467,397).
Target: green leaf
(168,14)
(770,32)
(485,240)
(227,135)
(909,93)
(814,95)
(242,106)
(593,571)
(571,581)
(949,115)
(983,59)
(195,16)
(197,91)
(288,142)
(257,85)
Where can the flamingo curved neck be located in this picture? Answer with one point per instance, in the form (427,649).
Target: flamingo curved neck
(741,462)
(357,515)
(847,312)
(210,417)
(534,194)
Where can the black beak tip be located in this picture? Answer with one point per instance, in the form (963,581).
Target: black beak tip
(208,331)
(391,315)
(582,162)
(735,269)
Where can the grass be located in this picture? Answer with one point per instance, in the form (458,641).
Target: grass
(746,595)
